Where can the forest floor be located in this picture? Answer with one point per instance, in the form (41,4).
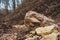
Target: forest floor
(36,27)
(12,30)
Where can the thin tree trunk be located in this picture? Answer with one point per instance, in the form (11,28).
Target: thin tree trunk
(14,5)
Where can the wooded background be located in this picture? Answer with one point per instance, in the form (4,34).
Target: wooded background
(8,7)
(50,8)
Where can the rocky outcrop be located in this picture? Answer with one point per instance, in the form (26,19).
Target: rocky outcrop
(36,27)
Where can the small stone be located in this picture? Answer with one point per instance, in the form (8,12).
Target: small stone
(32,32)
(34,38)
(28,35)
(44,30)
(30,38)
(53,36)
(37,37)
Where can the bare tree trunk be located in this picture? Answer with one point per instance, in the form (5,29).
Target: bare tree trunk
(14,5)
(6,6)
